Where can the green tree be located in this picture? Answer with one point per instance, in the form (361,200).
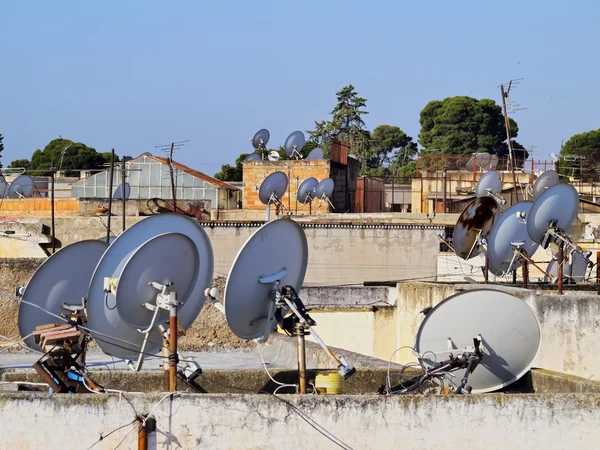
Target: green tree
(346,124)
(463,126)
(232,173)
(586,146)
(19,163)
(389,149)
(64,155)
(1,149)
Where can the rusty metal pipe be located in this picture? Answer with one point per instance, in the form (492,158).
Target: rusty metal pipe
(301,347)
(561,258)
(173,344)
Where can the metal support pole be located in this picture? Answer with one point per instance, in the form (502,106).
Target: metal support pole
(560,261)
(300,342)
(142,434)
(172,178)
(173,343)
(444,175)
(486,269)
(52,202)
(525,274)
(597,267)
(123,196)
(511,156)
(112,172)
(514,272)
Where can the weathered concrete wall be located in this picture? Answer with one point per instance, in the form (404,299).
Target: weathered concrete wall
(226,421)
(569,323)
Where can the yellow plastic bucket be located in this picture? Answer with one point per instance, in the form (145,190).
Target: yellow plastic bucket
(329,384)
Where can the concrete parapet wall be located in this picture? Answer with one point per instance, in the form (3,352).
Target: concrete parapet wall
(226,421)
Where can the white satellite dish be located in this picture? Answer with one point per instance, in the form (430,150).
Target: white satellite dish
(507,327)
(273,156)
(262,287)
(62,280)
(162,249)
(21,187)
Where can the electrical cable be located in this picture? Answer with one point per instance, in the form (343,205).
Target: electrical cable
(102,437)
(281,385)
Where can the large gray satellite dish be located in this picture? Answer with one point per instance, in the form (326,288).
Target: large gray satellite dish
(475,222)
(276,251)
(274,185)
(574,272)
(325,188)
(252,157)
(509,232)
(493,162)
(488,183)
(306,190)
(479,160)
(62,279)
(509,330)
(315,153)
(117,194)
(294,144)
(260,138)
(147,241)
(558,204)
(546,180)
(22,186)
(3,187)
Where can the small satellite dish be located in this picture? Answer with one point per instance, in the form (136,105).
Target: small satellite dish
(489,182)
(575,272)
(62,279)
(325,189)
(117,193)
(151,246)
(3,187)
(294,144)
(252,157)
(511,227)
(509,330)
(475,222)
(558,204)
(277,250)
(21,187)
(315,153)
(274,185)
(273,156)
(260,138)
(546,180)
(482,160)
(307,190)
(127,158)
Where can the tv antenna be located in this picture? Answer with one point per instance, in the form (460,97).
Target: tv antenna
(262,288)
(169,149)
(505,90)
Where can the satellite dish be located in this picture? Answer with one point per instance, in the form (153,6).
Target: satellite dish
(260,138)
(294,144)
(475,222)
(62,278)
(546,180)
(306,190)
(146,154)
(315,153)
(22,186)
(510,227)
(274,185)
(510,336)
(559,204)
(252,157)
(489,181)
(276,246)
(325,188)
(273,156)
(110,239)
(575,272)
(117,193)
(482,160)
(3,187)
(151,248)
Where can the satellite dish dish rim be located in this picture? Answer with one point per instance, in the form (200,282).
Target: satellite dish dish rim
(313,190)
(271,176)
(483,290)
(256,138)
(36,278)
(288,147)
(543,197)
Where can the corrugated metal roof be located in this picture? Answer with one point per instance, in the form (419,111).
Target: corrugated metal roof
(192,172)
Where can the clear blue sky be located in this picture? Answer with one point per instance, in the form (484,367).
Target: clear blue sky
(132,75)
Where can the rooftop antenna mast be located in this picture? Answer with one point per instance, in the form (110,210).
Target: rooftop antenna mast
(505,93)
(170,148)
